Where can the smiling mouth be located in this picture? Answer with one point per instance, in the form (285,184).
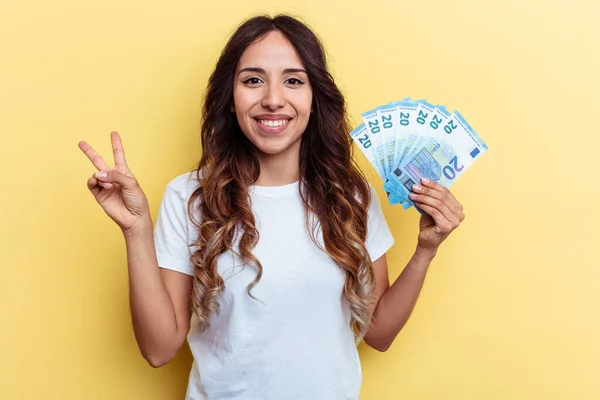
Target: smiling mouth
(273,123)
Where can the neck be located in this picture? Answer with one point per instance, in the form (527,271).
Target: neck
(280,169)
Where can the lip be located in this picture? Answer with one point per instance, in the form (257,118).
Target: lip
(271,117)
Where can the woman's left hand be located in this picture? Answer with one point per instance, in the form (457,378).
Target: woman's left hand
(443,213)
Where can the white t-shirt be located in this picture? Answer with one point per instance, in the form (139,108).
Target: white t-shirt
(296,344)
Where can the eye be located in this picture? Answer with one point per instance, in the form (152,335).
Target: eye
(294,82)
(252,81)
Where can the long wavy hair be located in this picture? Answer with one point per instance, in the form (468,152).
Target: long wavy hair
(332,187)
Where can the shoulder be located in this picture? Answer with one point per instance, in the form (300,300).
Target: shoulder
(372,190)
(372,193)
(374,205)
(182,186)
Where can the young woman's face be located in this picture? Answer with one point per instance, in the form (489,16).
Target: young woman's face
(272,95)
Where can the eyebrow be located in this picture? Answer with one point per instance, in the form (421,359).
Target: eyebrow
(262,71)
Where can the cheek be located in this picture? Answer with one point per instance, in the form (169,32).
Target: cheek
(238,99)
(303,103)
(309,100)
(242,104)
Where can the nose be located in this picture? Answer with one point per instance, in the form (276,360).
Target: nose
(274,97)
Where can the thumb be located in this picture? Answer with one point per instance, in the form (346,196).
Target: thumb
(115,176)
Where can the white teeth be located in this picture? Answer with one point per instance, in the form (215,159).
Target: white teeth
(273,123)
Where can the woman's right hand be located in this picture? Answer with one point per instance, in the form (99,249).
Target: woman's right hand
(118,193)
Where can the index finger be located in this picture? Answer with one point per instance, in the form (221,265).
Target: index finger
(93,156)
(119,153)
(433,185)
(445,193)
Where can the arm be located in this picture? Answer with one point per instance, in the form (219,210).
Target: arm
(442,213)
(396,303)
(160,299)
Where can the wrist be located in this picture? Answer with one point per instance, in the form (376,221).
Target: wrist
(425,253)
(141,227)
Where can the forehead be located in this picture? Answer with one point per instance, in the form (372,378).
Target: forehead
(272,52)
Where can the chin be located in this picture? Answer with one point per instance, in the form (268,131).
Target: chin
(272,150)
(276,148)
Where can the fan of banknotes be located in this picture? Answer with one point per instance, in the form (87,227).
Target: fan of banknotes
(411,139)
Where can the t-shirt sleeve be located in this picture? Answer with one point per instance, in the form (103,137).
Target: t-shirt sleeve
(379,237)
(171,237)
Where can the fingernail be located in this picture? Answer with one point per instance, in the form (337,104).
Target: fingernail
(107,185)
(101,174)
(425,180)
(417,188)
(412,195)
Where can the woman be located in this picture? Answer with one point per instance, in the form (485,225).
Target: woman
(276,242)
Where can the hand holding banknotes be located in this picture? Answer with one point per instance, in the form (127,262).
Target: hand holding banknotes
(412,139)
(420,149)
(442,213)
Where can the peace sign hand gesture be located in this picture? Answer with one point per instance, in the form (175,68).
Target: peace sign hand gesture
(116,190)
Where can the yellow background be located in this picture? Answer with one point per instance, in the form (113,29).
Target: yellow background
(510,307)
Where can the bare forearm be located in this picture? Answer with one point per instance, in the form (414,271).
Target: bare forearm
(397,303)
(152,312)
